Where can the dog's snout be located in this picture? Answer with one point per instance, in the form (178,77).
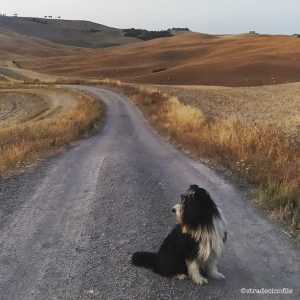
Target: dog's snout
(173,210)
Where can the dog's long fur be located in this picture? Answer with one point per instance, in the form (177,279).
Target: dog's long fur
(194,245)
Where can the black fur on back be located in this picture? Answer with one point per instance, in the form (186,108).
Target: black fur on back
(198,208)
(171,257)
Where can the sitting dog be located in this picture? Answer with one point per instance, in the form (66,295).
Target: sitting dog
(194,246)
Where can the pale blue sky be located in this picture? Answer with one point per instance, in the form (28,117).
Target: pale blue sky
(210,16)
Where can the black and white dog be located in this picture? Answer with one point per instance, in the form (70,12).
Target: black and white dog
(195,244)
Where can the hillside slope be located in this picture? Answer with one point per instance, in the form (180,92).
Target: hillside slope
(15,46)
(190,58)
(73,33)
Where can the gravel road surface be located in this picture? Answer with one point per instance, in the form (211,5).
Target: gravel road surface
(68,227)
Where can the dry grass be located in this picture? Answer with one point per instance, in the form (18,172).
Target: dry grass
(25,143)
(258,154)
(276,106)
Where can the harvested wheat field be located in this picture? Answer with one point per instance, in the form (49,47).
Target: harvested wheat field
(277,106)
(23,106)
(38,122)
(188,59)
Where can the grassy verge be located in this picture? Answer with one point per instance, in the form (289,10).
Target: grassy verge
(258,154)
(24,144)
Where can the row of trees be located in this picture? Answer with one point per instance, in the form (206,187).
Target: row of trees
(180,29)
(50,17)
(4,15)
(45,17)
(144,34)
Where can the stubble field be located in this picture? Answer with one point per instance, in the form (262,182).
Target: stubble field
(38,122)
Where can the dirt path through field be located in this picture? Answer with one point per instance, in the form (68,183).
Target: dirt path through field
(27,105)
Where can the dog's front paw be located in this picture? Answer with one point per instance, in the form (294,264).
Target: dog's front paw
(181,277)
(217,275)
(200,280)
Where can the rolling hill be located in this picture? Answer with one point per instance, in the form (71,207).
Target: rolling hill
(33,38)
(189,59)
(14,46)
(52,46)
(67,32)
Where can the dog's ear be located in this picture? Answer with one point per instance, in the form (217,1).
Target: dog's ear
(201,195)
(193,187)
(197,193)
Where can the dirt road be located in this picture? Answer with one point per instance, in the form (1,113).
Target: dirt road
(68,227)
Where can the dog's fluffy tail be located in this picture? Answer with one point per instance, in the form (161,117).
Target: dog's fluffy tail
(143,259)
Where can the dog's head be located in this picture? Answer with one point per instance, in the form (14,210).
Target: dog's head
(196,209)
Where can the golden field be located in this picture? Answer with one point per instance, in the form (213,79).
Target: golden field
(274,106)
(37,123)
(187,59)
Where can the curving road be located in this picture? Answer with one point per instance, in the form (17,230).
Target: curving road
(68,227)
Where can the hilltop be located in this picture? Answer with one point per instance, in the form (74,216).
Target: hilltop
(67,32)
(39,38)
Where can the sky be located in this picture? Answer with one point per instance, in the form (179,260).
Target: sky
(208,16)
